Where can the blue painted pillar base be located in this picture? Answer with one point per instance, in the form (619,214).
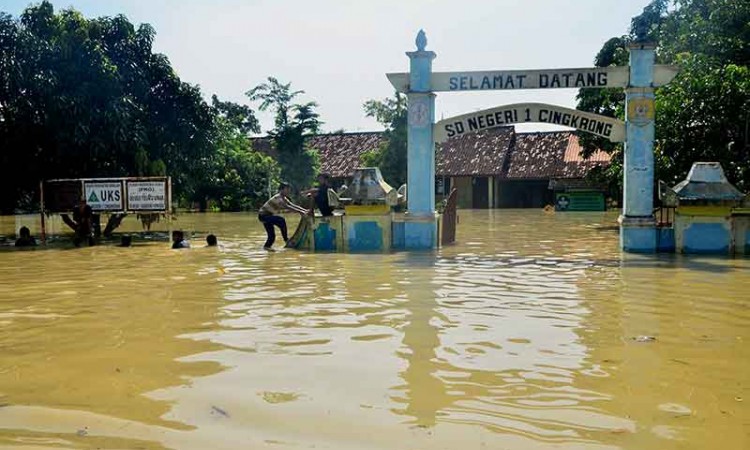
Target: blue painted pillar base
(638,234)
(420,232)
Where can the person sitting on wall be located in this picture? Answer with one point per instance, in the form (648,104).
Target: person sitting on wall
(321,195)
(269,215)
(178,240)
(211,241)
(83,225)
(24,238)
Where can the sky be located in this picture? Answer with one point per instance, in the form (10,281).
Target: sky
(338,51)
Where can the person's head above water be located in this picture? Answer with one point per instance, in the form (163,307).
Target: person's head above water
(211,240)
(177,236)
(284,188)
(24,232)
(125,241)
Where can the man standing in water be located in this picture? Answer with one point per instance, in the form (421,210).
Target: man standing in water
(321,195)
(82,217)
(269,215)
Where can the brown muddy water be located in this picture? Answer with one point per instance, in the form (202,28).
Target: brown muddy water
(533,332)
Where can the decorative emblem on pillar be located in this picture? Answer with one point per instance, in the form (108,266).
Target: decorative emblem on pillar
(419,112)
(641,110)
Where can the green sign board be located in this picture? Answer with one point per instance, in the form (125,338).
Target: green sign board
(580,201)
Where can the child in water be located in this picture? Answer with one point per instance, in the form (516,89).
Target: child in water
(24,238)
(178,240)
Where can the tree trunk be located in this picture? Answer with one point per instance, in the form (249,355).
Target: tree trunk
(113,222)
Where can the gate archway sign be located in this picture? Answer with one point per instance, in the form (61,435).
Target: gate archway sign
(606,127)
(639,78)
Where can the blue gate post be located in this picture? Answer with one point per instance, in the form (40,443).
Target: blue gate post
(420,227)
(637,222)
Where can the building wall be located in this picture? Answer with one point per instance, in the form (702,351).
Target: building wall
(523,194)
(502,193)
(465,191)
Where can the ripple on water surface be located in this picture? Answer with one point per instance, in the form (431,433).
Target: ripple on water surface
(531,332)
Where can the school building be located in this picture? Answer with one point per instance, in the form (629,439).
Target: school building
(496,168)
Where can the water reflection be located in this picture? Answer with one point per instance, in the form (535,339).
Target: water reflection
(424,394)
(518,337)
(92,345)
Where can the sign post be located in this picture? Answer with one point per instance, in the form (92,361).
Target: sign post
(638,230)
(606,127)
(591,77)
(420,227)
(104,196)
(147,195)
(637,222)
(116,197)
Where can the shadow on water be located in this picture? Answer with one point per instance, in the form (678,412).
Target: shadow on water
(65,242)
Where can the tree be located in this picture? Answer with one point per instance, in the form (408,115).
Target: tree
(233,177)
(391,156)
(293,122)
(88,98)
(704,113)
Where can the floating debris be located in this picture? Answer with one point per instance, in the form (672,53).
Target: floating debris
(219,411)
(644,339)
(279,397)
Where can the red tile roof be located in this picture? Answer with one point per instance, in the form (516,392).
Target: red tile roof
(549,155)
(340,153)
(477,154)
(497,152)
(574,152)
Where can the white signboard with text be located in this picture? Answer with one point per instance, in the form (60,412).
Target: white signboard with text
(147,196)
(596,77)
(606,127)
(104,196)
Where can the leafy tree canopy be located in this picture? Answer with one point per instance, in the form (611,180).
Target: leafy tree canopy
(704,113)
(89,98)
(293,122)
(391,157)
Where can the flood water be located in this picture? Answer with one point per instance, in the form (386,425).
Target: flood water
(532,332)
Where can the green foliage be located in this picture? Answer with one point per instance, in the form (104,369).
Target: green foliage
(233,177)
(241,117)
(241,177)
(88,98)
(704,113)
(293,122)
(390,157)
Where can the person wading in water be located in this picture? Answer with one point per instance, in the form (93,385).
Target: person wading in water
(269,214)
(321,195)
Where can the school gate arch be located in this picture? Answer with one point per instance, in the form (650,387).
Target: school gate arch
(638,79)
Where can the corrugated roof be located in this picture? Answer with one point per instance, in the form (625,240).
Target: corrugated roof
(479,154)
